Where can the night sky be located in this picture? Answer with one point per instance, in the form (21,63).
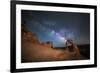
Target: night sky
(58,26)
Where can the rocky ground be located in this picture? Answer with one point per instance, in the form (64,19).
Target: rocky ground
(35,51)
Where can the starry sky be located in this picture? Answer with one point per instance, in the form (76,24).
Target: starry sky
(58,26)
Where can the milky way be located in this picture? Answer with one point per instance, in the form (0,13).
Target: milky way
(58,26)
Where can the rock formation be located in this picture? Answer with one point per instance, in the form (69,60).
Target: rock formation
(35,51)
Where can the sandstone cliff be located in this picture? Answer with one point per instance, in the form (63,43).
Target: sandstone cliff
(35,51)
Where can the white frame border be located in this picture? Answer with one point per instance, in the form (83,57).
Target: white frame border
(20,65)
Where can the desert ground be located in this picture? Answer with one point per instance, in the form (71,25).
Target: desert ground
(35,51)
